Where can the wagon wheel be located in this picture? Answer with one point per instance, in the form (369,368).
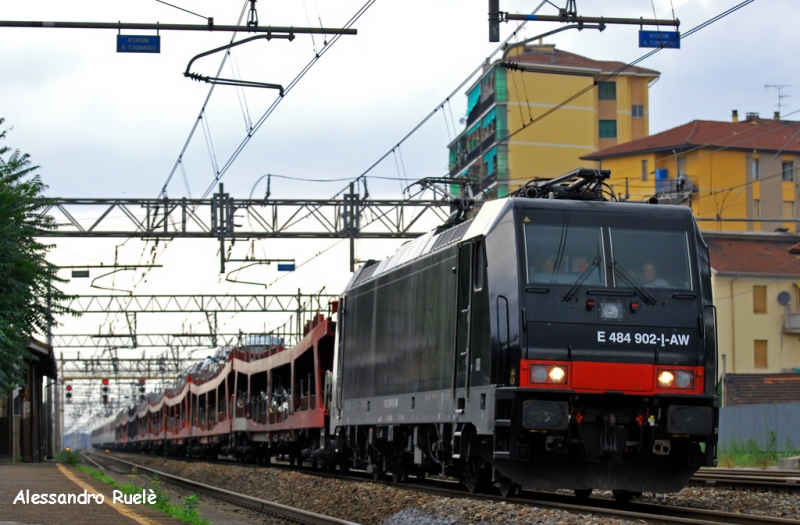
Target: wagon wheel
(583,493)
(377,473)
(508,488)
(625,496)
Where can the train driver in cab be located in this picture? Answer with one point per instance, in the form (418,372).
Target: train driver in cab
(651,279)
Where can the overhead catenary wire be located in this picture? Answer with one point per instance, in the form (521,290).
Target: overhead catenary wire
(241,95)
(628,66)
(202,110)
(182,9)
(447,99)
(287,89)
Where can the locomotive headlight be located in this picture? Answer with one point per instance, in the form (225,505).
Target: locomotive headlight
(675,379)
(557,374)
(666,378)
(538,374)
(683,379)
(611,310)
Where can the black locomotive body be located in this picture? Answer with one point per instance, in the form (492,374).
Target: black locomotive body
(545,343)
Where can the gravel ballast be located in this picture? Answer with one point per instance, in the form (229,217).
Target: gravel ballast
(378,504)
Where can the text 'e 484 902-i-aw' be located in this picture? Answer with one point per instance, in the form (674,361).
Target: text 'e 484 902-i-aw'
(557,341)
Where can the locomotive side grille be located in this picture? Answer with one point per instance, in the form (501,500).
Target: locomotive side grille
(366,273)
(452,235)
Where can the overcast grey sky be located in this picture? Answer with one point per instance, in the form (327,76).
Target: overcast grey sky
(103,124)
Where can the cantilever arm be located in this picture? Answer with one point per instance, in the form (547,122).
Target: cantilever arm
(234,82)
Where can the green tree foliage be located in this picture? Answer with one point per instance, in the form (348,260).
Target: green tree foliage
(27,280)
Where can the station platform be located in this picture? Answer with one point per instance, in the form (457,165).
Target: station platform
(55,478)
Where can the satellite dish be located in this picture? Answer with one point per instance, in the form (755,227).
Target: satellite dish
(784,298)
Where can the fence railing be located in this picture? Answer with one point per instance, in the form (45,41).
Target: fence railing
(739,424)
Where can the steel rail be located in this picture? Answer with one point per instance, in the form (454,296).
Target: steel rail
(748,472)
(242,500)
(783,482)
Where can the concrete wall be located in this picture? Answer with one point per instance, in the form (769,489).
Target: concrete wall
(742,423)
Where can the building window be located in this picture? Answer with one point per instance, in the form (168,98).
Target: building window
(788,209)
(787,170)
(607,91)
(754,169)
(644,169)
(760,353)
(759,299)
(608,129)
(756,208)
(637,111)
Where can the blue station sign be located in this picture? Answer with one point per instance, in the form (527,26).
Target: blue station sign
(668,39)
(138,44)
(285,267)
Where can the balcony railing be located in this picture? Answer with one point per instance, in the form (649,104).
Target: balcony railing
(674,191)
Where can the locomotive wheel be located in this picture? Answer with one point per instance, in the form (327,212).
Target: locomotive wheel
(474,475)
(583,493)
(624,496)
(508,488)
(344,468)
(399,475)
(377,473)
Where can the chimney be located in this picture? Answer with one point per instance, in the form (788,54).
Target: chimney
(751,116)
(735,116)
(776,116)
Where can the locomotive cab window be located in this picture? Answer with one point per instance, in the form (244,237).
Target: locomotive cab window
(655,259)
(562,254)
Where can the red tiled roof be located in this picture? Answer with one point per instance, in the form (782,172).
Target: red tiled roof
(752,389)
(548,55)
(755,134)
(753,253)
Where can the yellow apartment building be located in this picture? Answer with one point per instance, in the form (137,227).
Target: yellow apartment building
(755,282)
(529,81)
(730,173)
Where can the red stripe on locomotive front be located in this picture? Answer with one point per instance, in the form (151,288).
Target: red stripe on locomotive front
(599,378)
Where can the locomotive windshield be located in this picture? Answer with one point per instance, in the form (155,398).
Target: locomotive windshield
(563,254)
(568,254)
(655,259)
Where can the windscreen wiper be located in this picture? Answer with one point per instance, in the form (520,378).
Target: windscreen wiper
(571,292)
(633,283)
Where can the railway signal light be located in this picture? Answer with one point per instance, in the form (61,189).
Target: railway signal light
(494,20)
(141,387)
(69,392)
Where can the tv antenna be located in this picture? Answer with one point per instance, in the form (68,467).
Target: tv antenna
(781,96)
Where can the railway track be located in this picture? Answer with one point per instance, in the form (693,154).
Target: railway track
(749,478)
(650,513)
(255,504)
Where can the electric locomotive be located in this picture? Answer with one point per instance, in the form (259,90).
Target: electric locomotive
(556,341)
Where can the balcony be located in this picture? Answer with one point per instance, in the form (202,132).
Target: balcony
(791,323)
(480,109)
(467,158)
(674,191)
